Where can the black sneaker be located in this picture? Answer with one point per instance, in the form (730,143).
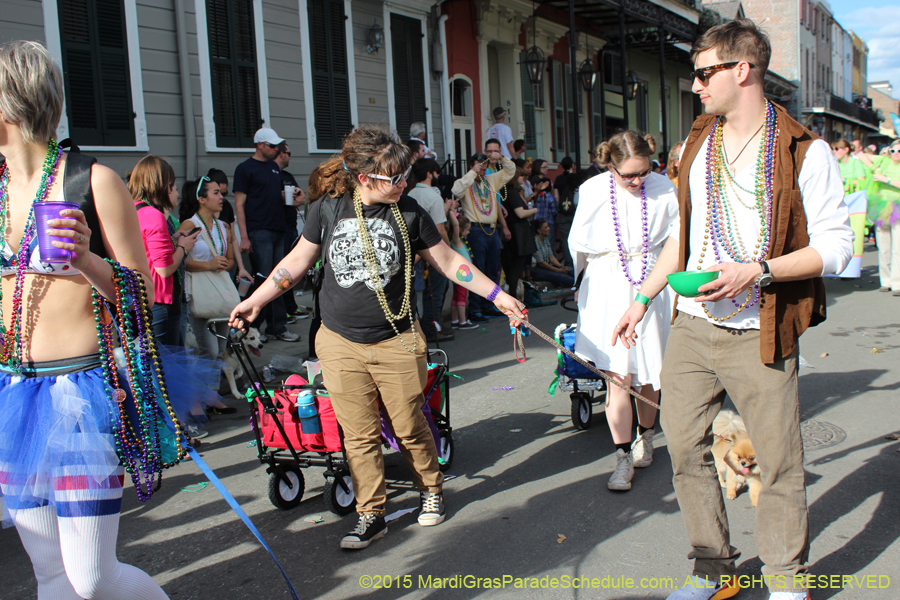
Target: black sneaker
(467,325)
(431,509)
(477,319)
(370,528)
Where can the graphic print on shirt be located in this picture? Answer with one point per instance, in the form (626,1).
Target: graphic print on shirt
(346,252)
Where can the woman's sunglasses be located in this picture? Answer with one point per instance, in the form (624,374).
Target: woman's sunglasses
(395,180)
(894,150)
(633,176)
(703,74)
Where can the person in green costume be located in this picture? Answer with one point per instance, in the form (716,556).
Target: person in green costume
(883,196)
(853,171)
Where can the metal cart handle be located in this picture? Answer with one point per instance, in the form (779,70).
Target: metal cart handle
(234,335)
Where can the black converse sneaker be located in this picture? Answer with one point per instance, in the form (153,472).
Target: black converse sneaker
(431,509)
(370,528)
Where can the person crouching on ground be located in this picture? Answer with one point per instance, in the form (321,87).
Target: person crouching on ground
(370,345)
(624,218)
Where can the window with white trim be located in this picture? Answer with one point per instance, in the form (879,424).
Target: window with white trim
(96,44)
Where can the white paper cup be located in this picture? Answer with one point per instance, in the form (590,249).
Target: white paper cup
(288,195)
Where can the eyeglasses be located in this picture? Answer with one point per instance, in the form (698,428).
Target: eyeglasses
(395,180)
(703,74)
(894,150)
(200,185)
(288,153)
(633,176)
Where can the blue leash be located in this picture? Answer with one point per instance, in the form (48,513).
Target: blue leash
(240,512)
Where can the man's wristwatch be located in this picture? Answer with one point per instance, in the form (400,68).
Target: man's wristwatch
(765,277)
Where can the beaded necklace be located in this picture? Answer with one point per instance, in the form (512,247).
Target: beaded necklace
(218,230)
(504,191)
(645,241)
(480,199)
(145,446)
(11,353)
(375,277)
(721,219)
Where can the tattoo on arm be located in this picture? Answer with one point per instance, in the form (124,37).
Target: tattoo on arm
(464,273)
(283,280)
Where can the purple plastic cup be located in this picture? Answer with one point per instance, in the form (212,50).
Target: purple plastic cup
(46,211)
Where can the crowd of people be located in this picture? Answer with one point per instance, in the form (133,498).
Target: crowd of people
(377,225)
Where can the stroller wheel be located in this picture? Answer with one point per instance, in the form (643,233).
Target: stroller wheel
(445,450)
(582,411)
(281,494)
(340,501)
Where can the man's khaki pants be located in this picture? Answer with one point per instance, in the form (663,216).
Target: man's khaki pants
(357,376)
(703,362)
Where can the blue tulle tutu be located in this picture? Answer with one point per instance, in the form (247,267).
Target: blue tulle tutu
(191,381)
(57,445)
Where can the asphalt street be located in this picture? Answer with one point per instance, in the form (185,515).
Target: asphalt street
(529,499)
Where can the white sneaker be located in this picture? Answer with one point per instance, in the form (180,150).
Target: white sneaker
(642,450)
(621,477)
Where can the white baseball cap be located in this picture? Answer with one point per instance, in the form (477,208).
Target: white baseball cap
(267,136)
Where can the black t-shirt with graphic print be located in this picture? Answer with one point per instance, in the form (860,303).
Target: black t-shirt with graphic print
(348,305)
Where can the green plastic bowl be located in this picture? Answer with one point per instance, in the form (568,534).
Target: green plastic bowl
(687,283)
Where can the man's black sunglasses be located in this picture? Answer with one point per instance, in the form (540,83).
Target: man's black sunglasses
(703,74)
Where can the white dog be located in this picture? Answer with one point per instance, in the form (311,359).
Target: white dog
(233,369)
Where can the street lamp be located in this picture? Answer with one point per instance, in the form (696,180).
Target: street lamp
(534,64)
(587,74)
(375,37)
(631,86)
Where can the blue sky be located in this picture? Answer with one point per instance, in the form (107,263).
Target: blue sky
(878,23)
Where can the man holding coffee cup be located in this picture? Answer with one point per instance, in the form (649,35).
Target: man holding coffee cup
(293,199)
(260,210)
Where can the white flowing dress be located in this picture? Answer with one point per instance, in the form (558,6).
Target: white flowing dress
(605,294)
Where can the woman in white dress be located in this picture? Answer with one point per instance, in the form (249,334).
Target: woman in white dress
(623,219)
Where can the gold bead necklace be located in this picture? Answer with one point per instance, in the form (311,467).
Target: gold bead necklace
(375,277)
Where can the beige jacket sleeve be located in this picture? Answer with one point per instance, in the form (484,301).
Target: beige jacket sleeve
(463,183)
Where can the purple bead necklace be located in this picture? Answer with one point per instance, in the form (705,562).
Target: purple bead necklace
(645,245)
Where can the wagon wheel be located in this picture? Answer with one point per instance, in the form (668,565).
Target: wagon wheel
(582,410)
(339,501)
(286,487)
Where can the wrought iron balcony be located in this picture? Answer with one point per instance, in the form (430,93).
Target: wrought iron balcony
(839,105)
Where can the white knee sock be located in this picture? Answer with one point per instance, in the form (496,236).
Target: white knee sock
(89,553)
(40,536)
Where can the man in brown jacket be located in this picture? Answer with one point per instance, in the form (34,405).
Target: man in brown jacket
(761,202)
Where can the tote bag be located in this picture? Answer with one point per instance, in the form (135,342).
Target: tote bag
(212,293)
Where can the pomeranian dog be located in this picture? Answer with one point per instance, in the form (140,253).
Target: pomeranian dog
(735,457)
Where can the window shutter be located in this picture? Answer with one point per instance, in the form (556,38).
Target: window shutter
(331,83)
(235,79)
(528,109)
(409,72)
(559,111)
(97,74)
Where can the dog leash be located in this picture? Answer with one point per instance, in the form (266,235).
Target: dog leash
(519,346)
(240,512)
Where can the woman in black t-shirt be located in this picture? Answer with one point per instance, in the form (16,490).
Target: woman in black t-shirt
(519,248)
(369,345)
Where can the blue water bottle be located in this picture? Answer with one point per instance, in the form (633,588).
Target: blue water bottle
(308,413)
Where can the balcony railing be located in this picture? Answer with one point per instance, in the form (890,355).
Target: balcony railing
(840,105)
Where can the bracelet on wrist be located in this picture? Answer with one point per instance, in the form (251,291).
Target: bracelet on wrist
(642,299)
(493,295)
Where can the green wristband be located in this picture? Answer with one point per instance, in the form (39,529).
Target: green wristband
(642,299)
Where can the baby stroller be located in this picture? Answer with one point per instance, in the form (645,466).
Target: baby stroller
(295,428)
(586,387)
